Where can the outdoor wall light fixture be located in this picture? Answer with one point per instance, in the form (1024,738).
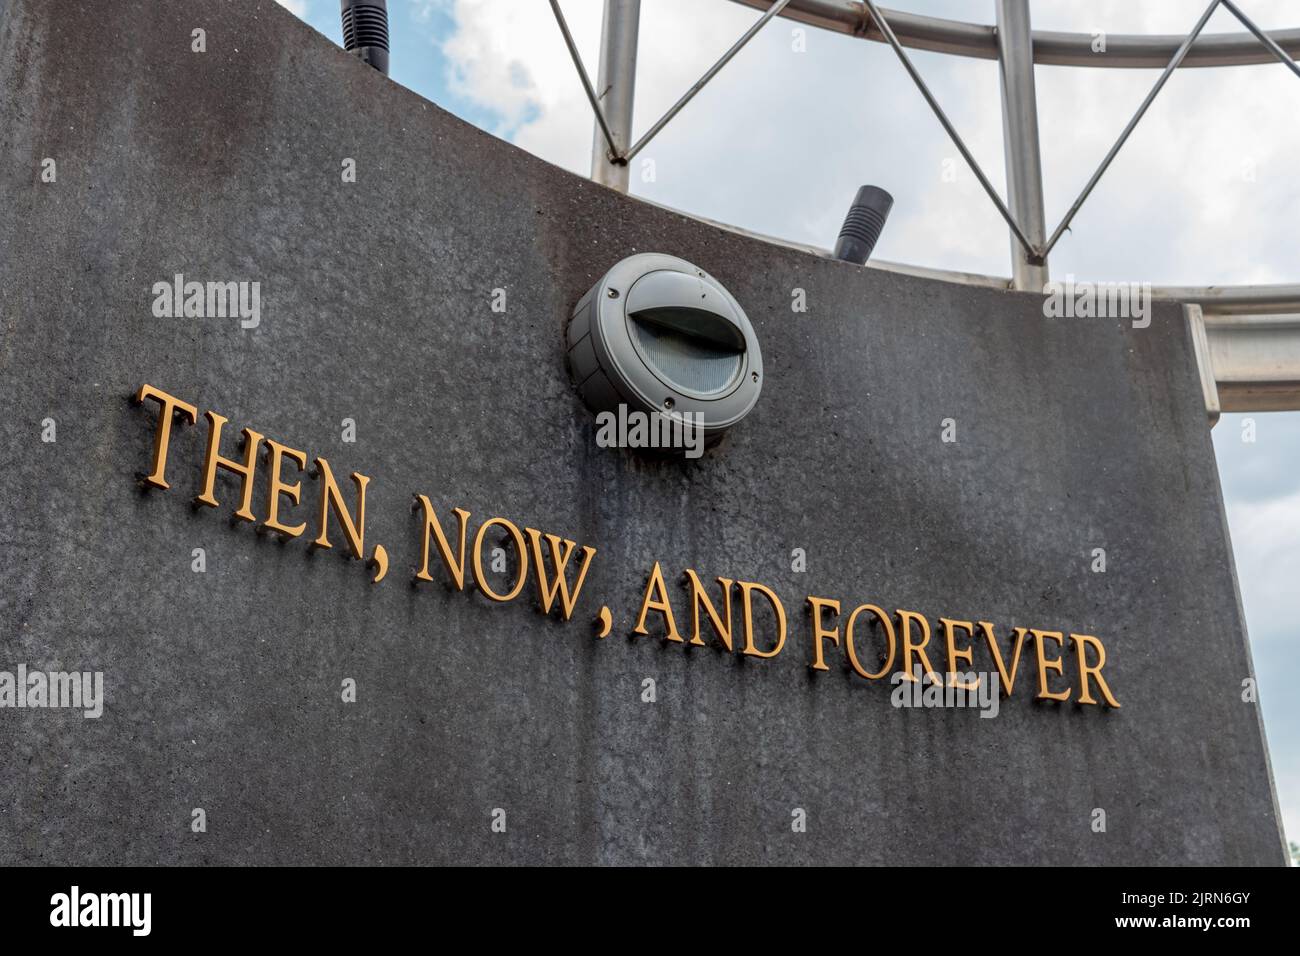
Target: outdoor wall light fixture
(365,31)
(862,226)
(663,338)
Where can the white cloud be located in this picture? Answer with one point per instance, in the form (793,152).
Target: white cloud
(1266,541)
(297,7)
(1266,537)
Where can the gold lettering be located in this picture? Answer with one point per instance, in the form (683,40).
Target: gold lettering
(1085,697)
(747,588)
(278,488)
(655,586)
(819,632)
(480,578)
(455,567)
(1008,680)
(330,496)
(699,597)
(955,655)
(905,619)
(546,590)
(848,641)
(168,406)
(212,461)
(1044,665)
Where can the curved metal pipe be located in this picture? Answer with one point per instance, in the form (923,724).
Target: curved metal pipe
(1051,48)
(1217,300)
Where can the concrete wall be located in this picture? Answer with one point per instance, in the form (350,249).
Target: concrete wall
(223,687)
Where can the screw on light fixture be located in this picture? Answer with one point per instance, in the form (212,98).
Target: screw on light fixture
(659,336)
(365,31)
(863,224)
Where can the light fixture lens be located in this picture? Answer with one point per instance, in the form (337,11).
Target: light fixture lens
(686,362)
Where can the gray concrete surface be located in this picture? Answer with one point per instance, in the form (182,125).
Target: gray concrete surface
(223,688)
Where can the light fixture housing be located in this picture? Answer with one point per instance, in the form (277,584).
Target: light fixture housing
(365,31)
(663,337)
(863,224)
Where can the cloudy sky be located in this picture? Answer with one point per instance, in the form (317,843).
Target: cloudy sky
(1204,192)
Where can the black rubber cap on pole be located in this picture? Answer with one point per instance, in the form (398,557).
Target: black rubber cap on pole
(365,31)
(862,226)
